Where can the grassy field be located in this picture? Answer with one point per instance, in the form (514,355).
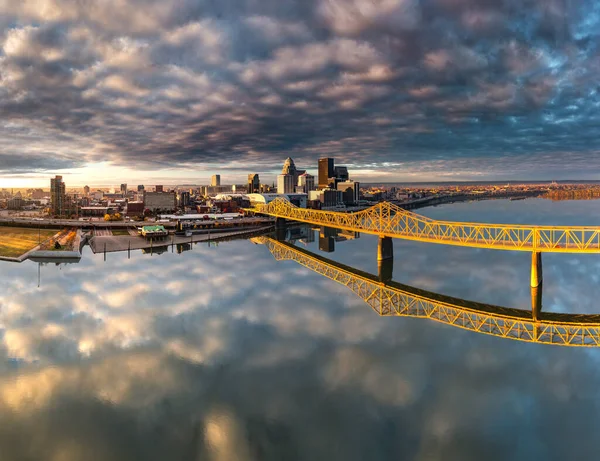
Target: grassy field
(14,241)
(120,232)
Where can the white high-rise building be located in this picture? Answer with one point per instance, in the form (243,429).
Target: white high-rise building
(285,184)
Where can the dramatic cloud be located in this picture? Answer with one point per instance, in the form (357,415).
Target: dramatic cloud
(394,88)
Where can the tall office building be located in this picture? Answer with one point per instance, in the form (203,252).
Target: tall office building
(158,188)
(306,183)
(351,191)
(215,180)
(86,190)
(326,171)
(124,189)
(140,188)
(57,196)
(184,199)
(253,183)
(289,167)
(341,173)
(285,184)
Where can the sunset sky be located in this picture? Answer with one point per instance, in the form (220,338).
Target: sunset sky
(159,91)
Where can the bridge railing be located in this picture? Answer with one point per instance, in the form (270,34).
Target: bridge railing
(389,220)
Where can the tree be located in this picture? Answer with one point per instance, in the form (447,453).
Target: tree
(107,217)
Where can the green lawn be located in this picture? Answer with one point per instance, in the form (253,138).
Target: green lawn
(14,241)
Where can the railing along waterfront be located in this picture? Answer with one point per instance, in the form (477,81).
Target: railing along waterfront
(388,220)
(394,299)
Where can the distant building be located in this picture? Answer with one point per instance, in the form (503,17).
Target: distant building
(134,209)
(332,198)
(341,173)
(86,190)
(184,199)
(326,171)
(98,211)
(123,190)
(253,183)
(213,190)
(215,180)
(289,167)
(160,201)
(57,196)
(351,191)
(306,182)
(158,188)
(38,194)
(15,203)
(140,188)
(285,184)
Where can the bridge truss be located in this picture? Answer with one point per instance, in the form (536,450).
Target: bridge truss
(394,299)
(388,220)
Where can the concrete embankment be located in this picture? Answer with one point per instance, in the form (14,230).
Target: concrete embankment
(59,255)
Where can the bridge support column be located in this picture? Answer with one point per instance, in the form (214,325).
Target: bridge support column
(385,249)
(536,269)
(385,269)
(280,223)
(536,302)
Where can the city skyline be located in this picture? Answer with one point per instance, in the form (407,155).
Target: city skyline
(399,90)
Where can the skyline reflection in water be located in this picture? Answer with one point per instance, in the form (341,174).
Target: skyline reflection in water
(224,353)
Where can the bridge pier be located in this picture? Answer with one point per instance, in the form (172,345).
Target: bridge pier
(385,269)
(280,223)
(385,249)
(280,234)
(536,269)
(536,302)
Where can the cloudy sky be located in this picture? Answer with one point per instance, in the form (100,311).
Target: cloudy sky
(399,90)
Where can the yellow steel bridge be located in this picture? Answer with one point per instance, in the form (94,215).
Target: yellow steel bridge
(388,220)
(394,299)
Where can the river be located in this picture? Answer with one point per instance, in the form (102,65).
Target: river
(224,353)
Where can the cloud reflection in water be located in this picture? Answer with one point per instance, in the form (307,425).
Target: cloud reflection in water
(226,354)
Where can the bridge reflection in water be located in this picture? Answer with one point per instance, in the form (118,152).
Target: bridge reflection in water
(389,298)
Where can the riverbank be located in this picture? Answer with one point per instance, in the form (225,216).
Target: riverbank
(110,244)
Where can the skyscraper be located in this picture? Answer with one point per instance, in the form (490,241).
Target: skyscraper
(124,189)
(57,196)
(86,190)
(184,199)
(289,167)
(325,171)
(140,188)
(215,180)
(285,184)
(306,182)
(341,173)
(253,183)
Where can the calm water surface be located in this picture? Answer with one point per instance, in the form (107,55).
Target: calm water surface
(224,353)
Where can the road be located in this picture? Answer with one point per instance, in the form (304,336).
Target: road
(116,224)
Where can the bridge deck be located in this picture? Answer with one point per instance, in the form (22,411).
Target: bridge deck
(385,219)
